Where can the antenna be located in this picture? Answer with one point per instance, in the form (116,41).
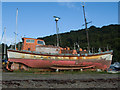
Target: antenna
(16,28)
(107,48)
(74,46)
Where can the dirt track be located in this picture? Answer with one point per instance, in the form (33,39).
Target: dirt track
(30,80)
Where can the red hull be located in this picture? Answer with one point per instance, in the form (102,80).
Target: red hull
(38,63)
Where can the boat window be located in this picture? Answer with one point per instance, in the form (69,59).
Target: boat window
(28,49)
(40,42)
(30,41)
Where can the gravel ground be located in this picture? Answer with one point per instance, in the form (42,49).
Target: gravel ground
(30,80)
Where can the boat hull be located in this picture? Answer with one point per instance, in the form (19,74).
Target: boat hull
(99,61)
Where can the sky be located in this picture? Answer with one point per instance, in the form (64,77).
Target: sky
(35,19)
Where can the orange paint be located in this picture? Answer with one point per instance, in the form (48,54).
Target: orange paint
(64,48)
(30,46)
(80,49)
(60,51)
(68,48)
(74,52)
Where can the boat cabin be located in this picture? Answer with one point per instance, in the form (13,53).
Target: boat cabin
(30,44)
(38,45)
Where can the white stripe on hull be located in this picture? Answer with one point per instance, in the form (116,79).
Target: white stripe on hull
(32,56)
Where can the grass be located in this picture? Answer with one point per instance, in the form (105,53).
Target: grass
(34,71)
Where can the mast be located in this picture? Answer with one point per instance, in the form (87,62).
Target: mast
(5,44)
(3,36)
(86,29)
(57,33)
(57,29)
(16,28)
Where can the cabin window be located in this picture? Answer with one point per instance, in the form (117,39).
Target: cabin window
(40,42)
(28,49)
(30,41)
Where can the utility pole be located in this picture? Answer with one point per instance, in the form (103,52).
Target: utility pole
(57,30)
(86,28)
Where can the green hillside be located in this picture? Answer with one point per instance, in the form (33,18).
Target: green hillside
(98,37)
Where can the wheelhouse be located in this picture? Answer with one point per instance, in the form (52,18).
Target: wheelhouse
(30,44)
